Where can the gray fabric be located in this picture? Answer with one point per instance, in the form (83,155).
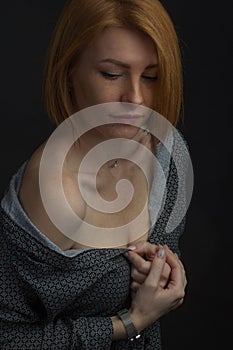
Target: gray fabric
(52,301)
(11,204)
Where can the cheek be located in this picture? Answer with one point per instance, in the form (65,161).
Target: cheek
(106,91)
(95,92)
(150,97)
(84,95)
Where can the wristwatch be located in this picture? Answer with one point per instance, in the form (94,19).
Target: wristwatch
(128,323)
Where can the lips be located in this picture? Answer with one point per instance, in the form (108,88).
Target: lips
(127,119)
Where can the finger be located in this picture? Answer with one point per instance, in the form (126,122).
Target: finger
(182,265)
(165,276)
(134,286)
(139,263)
(133,294)
(166,270)
(177,277)
(176,255)
(137,276)
(146,249)
(179,262)
(172,258)
(157,267)
(146,138)
(142,135)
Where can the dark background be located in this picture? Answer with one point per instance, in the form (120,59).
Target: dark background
(205,319)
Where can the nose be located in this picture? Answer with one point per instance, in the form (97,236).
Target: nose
(133,93)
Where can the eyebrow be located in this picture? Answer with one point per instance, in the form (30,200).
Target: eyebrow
(125,65)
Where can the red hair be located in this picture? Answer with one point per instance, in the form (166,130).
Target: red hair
(81,21)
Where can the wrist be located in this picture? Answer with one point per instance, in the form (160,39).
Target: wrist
(119,331)
(131,330)
(137,320)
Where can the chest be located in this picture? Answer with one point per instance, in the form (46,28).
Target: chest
(121,201)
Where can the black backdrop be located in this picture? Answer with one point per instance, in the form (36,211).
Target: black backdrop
(205,319)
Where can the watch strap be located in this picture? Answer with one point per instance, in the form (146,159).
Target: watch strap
(128,324)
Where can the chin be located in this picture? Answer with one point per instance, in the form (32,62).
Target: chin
(119,131)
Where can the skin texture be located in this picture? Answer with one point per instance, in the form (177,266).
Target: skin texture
(162,299)
(158,275)
(158,282)
(141,258)
(93,82)
(120,66)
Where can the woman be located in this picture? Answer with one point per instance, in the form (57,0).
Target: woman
(58,292)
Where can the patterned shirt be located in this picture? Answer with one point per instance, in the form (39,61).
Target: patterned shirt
(55,300)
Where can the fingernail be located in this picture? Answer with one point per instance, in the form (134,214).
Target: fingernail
(132,247)
(160,253)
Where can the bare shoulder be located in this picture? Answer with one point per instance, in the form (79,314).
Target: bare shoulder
(31,201)
(29,189)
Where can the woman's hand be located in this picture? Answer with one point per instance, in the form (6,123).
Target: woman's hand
(141,259)
(151,301)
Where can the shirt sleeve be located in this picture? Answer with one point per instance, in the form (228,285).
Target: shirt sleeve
(46,304)
(28,318)
(84,333)
(177,168)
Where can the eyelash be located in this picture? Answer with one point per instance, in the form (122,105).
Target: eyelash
(111,76)
(150,78)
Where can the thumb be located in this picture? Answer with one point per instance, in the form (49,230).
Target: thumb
(146,249)
(157,267)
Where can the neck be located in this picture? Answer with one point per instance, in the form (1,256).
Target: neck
(86,143)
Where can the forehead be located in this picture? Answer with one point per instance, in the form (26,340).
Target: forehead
(129,45)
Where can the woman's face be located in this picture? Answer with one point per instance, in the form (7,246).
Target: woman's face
(120,66)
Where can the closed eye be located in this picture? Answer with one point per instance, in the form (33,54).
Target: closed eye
(150,78)
(110,76)
(114,76)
